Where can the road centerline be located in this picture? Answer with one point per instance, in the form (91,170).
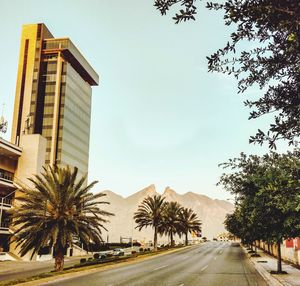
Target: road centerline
(161,267)
(203,268)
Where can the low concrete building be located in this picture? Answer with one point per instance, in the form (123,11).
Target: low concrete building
(17,164)
(9,156)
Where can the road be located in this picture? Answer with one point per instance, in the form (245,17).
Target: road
(211,264)
(11,270)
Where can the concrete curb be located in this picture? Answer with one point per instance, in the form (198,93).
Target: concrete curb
(269,278)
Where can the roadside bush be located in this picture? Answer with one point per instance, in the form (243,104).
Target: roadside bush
(90,259)
(82,260)
(96,256)
(141,249)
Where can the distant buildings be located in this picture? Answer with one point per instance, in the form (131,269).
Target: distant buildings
(52,114)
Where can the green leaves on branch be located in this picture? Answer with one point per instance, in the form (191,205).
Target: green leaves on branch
(267,191)
(187,13)
(270,59)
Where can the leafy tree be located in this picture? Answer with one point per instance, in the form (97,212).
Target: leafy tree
(187,13)
(271,61)
(55,211)
(189,222)
(171,223)
(149,213)
(269,208)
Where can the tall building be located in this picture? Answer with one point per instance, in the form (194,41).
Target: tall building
(53,96)
(51,122)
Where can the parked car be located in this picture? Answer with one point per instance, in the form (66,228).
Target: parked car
(118,252)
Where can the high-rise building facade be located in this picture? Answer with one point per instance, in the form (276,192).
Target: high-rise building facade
(53,96)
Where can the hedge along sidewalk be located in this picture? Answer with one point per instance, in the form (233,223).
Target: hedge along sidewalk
(266,263)
(79,271)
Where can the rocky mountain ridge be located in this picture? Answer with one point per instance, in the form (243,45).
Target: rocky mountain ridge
(210,211)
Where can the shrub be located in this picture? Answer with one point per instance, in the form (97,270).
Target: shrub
(90,258)
(82,260)
(141,249)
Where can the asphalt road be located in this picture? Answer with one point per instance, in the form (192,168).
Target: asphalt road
(211,264)
(11,270)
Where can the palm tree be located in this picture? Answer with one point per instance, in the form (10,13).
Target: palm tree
(149,213)
(170,223)
(189,223)
(57,210)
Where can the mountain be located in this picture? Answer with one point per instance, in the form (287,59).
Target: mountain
(210,211)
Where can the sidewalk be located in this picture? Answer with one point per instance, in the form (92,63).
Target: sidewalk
(266,263)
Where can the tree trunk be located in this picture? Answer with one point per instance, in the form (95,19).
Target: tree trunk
(279,264)
(59,260)
(155,239)
(171,237)
(186,239)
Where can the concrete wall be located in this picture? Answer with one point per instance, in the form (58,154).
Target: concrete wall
(291,254)
(33,156)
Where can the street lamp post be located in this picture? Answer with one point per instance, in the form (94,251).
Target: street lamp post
(2,203)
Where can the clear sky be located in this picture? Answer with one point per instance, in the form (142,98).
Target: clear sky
(158,116)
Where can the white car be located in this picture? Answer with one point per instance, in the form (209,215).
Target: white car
(118,252)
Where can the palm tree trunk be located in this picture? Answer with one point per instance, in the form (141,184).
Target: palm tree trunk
(171,237)
(155,239)
(279,264)
(186,239)
(59,260)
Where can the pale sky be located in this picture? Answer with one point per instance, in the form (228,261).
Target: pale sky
(158,116)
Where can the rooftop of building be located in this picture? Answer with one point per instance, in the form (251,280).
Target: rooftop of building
(74,56)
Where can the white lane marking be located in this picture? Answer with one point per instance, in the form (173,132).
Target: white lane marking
(202,269)
(160,267)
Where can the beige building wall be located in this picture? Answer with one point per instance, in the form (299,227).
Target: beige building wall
(32,159)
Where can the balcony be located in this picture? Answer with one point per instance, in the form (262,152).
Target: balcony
(6,204)
(4,227)
(6,178)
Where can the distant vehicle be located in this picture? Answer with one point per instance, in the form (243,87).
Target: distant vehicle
(118,252)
